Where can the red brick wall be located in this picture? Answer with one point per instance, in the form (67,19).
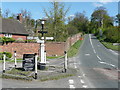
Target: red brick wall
(19,37)
(21,48)
(1,35)
(52,48)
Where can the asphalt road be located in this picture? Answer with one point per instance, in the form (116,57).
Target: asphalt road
(98,64)
(97,68)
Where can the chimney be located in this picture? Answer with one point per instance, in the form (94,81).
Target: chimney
(19,17)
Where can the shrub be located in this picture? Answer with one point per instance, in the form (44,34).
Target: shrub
(112,35)
(6,40)
(8,55)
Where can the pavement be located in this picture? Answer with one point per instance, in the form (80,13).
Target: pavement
(97,67)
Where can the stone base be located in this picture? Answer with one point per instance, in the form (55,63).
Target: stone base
(41,66)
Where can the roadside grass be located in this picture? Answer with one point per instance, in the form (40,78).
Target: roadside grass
(110,46)
(74,48)
(53,57)
(17,74)
(18,60)
(57,77)
(18,71)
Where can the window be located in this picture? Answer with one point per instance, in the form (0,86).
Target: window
(8,35)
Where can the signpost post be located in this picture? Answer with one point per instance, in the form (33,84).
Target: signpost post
(42,46)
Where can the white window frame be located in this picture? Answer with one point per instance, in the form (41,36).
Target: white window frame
(8,35)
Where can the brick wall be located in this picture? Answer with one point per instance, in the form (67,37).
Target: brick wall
(52,48)
(19,37)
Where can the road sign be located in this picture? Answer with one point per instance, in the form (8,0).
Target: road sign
(47,38)
(40,41)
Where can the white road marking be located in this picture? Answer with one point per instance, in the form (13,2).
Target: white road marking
(87,54)
(113,52)
(107,64)
(72,86)
(84,86)
(94,50)
(71,81)
(82,81)
(98,57)
(79,76)
(83,75)
(75,66)
(112,65)
(92,44)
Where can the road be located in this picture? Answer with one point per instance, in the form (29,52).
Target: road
(97,68)
(98,64)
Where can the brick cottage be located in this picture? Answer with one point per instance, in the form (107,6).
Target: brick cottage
(13,28)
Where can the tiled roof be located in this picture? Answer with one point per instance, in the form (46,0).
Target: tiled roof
(12,26)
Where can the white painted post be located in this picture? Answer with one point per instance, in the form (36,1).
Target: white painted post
(15,59)
(4,57)
(45,57)
(65,62)
(36,66)
(42,52)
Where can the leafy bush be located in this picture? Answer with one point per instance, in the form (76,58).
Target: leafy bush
(30,41)
(112,35)
(6,40)
(8,55)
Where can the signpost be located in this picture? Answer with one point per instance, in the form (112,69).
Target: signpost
(42,46)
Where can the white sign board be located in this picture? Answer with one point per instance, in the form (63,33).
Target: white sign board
(49,38)
(40,41)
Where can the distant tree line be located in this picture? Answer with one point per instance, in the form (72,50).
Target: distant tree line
(58,26)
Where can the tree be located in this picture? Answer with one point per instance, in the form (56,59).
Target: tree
(6,13)
(118,19)
(80,21)
(56,21)
(100,19)
(27,21)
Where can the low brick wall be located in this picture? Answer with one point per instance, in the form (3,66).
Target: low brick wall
(52,48)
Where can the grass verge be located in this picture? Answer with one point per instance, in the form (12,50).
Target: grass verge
(110,46)
(74,48)
(57,77)
(17,74)
(53,57)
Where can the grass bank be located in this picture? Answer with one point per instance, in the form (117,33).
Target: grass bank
(74,48)
(110,46)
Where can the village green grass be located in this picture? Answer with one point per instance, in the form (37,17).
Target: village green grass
(23,75)
(110,46)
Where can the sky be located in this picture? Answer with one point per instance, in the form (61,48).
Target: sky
(36,7)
